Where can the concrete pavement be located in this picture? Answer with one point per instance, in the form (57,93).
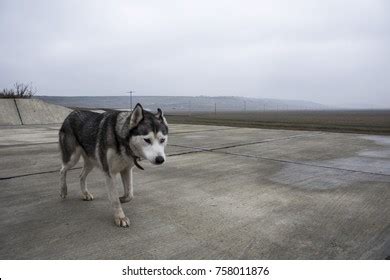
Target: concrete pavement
(224,193)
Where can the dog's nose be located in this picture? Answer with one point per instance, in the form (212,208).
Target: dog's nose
(159,160)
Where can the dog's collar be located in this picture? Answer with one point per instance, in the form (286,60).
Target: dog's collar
(130,153)
(136,159)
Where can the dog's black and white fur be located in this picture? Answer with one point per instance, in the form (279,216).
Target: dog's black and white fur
(114,142)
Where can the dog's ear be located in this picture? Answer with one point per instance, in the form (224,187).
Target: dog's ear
(160,116)
(136,116)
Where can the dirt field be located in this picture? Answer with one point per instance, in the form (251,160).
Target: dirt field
(360,121)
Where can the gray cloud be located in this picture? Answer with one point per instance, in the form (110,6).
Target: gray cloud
(333,52)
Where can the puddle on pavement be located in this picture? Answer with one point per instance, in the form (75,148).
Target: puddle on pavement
(372,159)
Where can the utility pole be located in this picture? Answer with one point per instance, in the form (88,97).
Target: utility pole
(131,98)
(215,108)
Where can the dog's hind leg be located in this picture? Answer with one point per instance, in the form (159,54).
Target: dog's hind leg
(87,196)
(127,180)
(74,158)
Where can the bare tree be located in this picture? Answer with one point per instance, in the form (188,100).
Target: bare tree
(19,90)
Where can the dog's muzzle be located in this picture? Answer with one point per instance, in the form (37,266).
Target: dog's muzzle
(159,160)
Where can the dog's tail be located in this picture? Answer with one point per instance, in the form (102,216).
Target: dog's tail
(67,141)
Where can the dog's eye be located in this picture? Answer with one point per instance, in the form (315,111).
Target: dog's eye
(162,140)
(147,141)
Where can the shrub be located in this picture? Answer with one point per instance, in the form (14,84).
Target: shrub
(19,90)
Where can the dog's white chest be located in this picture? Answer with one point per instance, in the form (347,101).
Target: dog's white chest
(117,162)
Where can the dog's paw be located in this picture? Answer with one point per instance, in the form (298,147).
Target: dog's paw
(87,196)
(124,199)
(122,222)
(63,193)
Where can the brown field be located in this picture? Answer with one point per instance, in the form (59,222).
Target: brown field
(355,121)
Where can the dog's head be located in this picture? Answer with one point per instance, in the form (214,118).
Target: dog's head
(148,134)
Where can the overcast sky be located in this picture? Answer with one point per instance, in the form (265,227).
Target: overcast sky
(331,52)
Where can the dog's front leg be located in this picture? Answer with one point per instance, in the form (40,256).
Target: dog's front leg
(120,219)
(127,180)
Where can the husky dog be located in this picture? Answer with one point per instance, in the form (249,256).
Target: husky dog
(114,142)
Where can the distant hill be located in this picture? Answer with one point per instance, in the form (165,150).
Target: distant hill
(183,103)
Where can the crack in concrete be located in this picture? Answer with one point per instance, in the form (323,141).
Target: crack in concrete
(186,153)
(266,141)
(75,168)
(29,144)
(305,164)
(246,144)
(36,173)
(206,130)
(217,150)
